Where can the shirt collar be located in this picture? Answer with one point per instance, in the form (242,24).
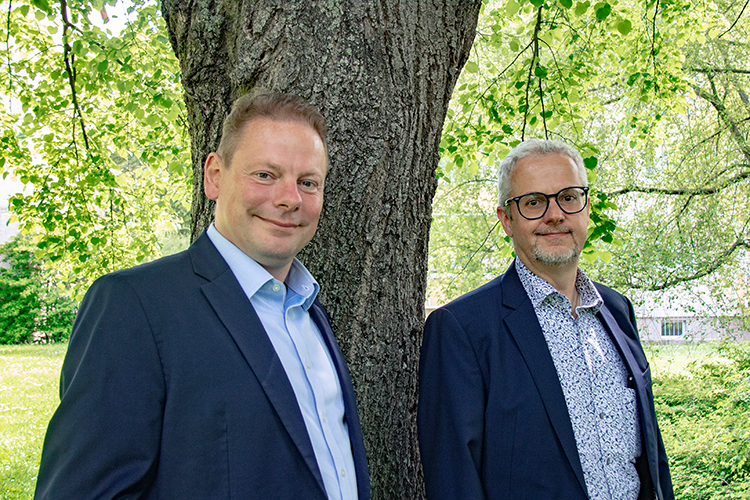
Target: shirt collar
(252,276)
(538,289)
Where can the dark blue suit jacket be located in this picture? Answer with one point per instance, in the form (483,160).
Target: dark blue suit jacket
(171,389)
(493,423)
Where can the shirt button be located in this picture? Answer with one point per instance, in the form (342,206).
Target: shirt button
(307,364)
(601,415)
(323,417)
(276,288)
(343,473)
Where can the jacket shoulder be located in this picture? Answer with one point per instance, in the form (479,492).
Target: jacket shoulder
(614,299)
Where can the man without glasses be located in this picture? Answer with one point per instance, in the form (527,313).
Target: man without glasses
(535,385)
(214,373)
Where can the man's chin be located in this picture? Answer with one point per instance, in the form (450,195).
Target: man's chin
(562,258)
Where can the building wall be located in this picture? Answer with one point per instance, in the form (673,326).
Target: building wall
(684,329)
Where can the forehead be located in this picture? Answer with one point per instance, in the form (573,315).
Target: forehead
(281,135)
(547,173)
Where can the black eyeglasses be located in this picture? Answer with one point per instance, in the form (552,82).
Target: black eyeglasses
(532,206)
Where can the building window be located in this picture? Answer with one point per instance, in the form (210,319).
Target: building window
(672,328)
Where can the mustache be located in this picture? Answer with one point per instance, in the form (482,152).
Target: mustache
(554,229)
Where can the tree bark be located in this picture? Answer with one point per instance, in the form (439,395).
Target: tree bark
(382,73)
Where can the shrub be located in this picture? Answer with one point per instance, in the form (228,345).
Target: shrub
(30,301)
(703,413)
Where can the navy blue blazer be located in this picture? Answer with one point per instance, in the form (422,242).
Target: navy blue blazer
(171,389)
(492,420)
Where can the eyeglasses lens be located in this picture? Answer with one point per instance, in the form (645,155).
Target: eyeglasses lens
(534,205)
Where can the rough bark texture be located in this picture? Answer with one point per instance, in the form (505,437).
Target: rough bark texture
(382,73)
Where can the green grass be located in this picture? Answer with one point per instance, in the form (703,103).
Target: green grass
(702,395)
(675,360)
(29,376)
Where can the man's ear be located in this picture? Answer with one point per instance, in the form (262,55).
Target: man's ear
(505,219)
(212,175)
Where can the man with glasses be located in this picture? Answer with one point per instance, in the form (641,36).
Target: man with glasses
(535,385)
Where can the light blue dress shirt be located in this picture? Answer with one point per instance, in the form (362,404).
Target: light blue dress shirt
(284,312)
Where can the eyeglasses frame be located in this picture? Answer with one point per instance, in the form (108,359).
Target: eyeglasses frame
(548,196)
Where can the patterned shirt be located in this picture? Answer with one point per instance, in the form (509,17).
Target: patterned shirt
(594,380)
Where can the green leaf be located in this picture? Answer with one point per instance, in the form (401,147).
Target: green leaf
(41,4)
(624,26)
(591,162)
(566,3)
(471,67)
(582,7)
(603,12)
(512,7)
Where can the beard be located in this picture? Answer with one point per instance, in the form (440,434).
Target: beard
(557,257)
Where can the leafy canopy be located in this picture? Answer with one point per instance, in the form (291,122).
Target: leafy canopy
(94,126)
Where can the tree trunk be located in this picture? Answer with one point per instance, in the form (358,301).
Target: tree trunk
(382,73)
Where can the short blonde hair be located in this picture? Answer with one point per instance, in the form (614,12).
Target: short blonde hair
(271,105)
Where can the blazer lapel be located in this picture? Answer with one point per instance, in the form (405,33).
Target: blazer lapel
(350,404)
(235,311)
(642,380)
(523,325)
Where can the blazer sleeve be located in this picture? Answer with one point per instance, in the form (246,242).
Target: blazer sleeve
(103,440)
(450,417)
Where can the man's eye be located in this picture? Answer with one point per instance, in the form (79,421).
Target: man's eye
(532,202)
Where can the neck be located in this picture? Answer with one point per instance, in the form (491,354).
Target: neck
(562,278)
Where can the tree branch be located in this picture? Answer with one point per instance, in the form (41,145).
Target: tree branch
(720,70)
(7,50)
(685,191)
(439,198)
(713,266)
(724,115)
(544,118)
(481,245)
(736,20)
(653,41)
(70,67)
(534,62)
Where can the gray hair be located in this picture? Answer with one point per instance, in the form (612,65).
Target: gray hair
(534,147)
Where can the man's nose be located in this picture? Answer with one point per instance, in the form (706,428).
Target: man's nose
(554,212)
(287,194)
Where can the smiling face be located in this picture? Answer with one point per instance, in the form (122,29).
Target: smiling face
(268,201)
(551,245)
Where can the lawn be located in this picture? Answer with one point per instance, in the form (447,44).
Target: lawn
(28,396)
(702,395)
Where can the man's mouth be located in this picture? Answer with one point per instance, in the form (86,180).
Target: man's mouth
(558,231)
(280,224)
